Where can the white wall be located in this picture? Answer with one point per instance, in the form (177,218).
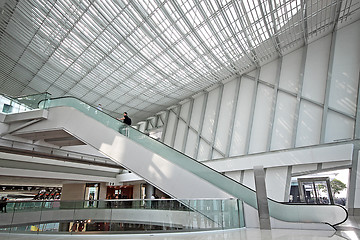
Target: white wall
(316,67)
(242,117)
(223,127)
(307,97)
(309,124)
(320,80)
(284,122)
(170,126)
(290,71)
(345,70)
(261,121)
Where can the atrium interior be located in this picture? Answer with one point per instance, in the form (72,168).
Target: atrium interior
(245,119)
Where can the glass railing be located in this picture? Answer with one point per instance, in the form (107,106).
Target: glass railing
(331,214)
(41,150)
(121,215)
(23,103)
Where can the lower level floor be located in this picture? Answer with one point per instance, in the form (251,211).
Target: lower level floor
(348,230)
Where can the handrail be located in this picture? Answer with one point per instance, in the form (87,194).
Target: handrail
(27,95)
(25,213)
(6,144)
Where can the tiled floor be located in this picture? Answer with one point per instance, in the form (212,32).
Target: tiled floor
(348,230)
(239,234)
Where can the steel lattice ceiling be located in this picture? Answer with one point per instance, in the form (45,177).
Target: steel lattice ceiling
(143,56)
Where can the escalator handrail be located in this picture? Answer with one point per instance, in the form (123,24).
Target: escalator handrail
(195,161)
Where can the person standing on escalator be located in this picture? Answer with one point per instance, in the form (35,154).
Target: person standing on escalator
(126,120)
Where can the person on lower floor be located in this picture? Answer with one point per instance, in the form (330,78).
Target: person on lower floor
(3,204)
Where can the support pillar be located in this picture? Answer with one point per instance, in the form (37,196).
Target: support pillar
(102,191)
(73,192)
(261,197)
(353,188)
(149,191)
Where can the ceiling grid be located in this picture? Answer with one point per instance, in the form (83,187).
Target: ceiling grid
(144,56)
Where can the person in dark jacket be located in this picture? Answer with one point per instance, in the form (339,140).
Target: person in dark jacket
(3,204)
(126,119)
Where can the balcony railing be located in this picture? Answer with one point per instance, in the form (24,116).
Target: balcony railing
(136,215)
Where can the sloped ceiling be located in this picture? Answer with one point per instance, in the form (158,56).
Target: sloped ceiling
(143,56)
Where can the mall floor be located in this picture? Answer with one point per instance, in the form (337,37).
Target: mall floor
(349,230)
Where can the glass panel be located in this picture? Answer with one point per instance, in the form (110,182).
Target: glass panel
(232,214)
(6,217)
(309,191)
(322,192)
(4,104)
(120,215)
(34,101)
(26,216)
(24,103)
(315,190)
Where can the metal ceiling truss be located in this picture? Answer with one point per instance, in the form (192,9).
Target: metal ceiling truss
(144,56)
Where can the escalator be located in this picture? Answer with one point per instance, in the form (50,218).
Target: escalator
(169,170)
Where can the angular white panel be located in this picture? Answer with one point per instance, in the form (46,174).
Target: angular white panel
(204,150)
(226,107)
(261,122)
(345,71)
(249,179)
(316,69)
(309,124)
(141,127)
(338,127)
(196,112)
(234,175)
(268,72)
(163,118)
(152,123)
(275,180)
(184,110)
(290,71)
(303,168)
(252,73)
(179,137)
(169,128)
(335,164)
(216,155)
(191,143)
(283,122)
(209,117)
(242,117)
